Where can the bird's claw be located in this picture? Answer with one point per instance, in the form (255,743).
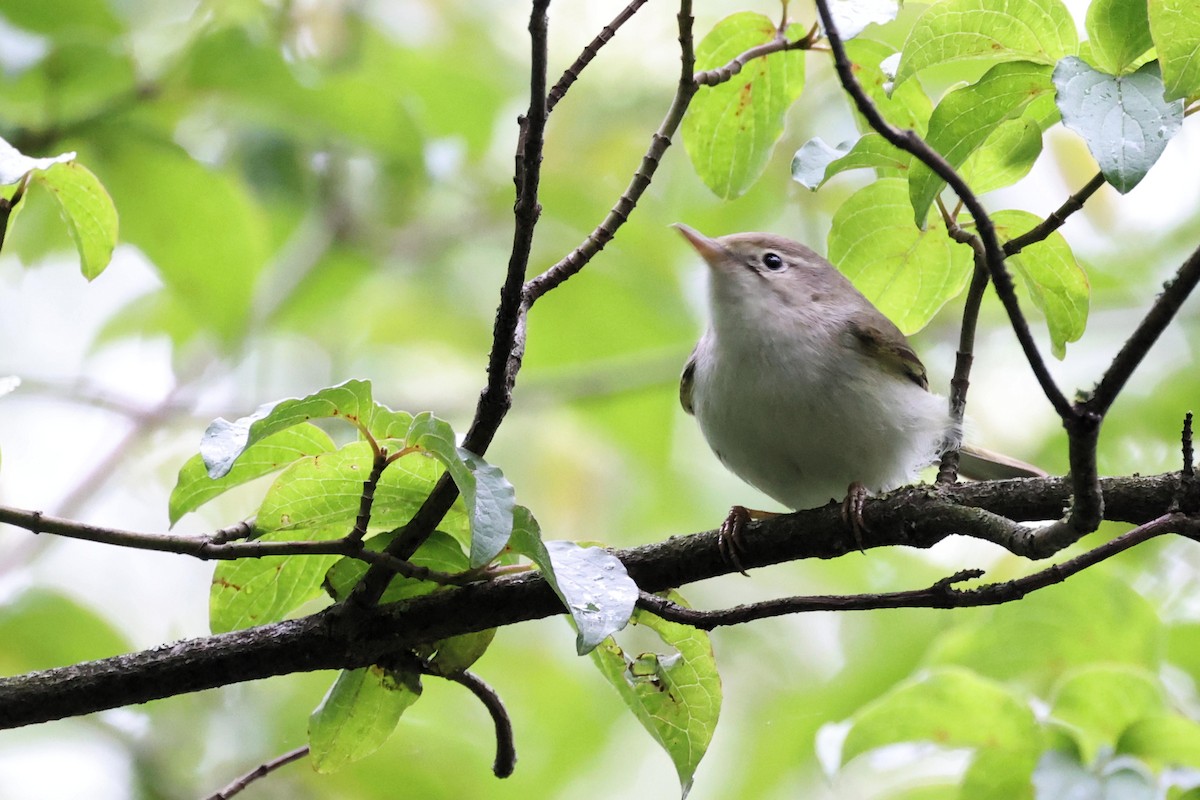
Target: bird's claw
(852,508)
(729,537)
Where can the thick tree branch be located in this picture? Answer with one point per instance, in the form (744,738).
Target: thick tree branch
(342,637)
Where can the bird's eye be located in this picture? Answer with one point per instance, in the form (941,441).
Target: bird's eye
(772,261)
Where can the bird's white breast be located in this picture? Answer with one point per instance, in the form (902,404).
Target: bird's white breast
(800,414)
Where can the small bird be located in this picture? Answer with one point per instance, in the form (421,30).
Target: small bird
(804,389)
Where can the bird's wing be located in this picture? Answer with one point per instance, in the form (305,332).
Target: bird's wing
(882,341)
(685,383)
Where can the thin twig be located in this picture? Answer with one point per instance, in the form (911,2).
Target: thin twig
(1175,291)
(940,595)
(220,547)
(1057,217)
(367,499)
(590,51)
(960,382)
(603,233)
(1189,462)
(261,771)
(721,74)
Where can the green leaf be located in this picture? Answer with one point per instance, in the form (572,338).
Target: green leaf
(816,162)
(194,487)
(1165,740)
(1041,31)
(956,708)
(905,105)
(1056,283)
(1005,156)
(1098,702)
(1118,32)
(730,129)
(88,211)
(676,696)
(225,441)
(1124,120)
(258,591)
(488,495)
(908,273)
(358,715)
(1175,27)
(591,582)
(966,117)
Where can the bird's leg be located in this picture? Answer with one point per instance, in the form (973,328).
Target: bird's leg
(729,535)
(852,508)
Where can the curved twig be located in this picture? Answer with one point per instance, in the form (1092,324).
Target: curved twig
(506,752)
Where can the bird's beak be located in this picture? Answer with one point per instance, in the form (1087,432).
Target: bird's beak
(710,250)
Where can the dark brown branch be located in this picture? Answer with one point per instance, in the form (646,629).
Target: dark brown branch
(940,595)
(261,771)
(1057,217)
(508,333)
(590,51)
(343,638)
(1174,293)
(910,142)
